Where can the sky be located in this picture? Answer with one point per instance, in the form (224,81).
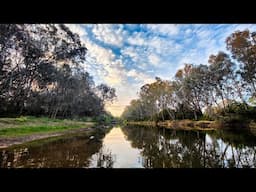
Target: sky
(127,56)
(124,155)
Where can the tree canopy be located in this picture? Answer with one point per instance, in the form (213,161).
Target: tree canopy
(42,73)
(226,80)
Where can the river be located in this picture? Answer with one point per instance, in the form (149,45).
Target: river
(136,147)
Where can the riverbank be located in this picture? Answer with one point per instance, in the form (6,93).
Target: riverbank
(16,140)
(24,129)
(191,125)
(179,124)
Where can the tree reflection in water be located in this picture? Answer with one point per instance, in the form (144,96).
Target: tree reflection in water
(155,148)
(72,152)
(104,159)
(162,148)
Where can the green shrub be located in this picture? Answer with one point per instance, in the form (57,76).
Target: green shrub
(87,119)
(206,118)
(236,112)
(21,119)
(104,118)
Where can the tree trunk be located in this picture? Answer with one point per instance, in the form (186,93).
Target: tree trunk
(239,91)
(222,98)
(162,113)
(171,115)
(55,113)
(254,88)
(195,115)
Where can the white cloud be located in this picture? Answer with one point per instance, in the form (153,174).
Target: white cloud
(77,28)
(110,34)
(187,41)
(154,60)
(102,55)
(131,52)
(116,74)
(207,42)
(163,46)
(137,39)
(140,77)
(156,43)
(106,64)
(241,27)
(143,66)
(188,31)
(165,29)
(204,34)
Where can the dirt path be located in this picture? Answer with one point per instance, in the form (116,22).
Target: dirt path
(7,142)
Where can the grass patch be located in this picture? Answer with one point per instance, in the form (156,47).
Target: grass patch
(29,130)
(21,119)
(30,125)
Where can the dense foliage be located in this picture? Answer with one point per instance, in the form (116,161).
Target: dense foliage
(42,73)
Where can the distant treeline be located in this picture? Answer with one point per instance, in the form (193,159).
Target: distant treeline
(42,73)
(222,88)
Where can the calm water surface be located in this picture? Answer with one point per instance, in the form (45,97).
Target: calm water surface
(137,147)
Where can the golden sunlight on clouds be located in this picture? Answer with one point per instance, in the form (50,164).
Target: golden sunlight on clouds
(125,93)
(115,109)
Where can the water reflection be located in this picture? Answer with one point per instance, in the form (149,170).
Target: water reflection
(129,147)
(163,148)
(64,152)
(72,152)
(119,152)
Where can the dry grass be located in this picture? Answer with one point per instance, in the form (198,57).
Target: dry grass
(180,124)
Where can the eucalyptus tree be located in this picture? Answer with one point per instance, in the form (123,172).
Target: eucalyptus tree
(191,87)
(204,88)
(106,93)
(242,45)
(135,111)
(42,72)
(148,99)
(224,79)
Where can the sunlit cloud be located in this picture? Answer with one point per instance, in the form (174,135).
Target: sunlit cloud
(164,29)
(110,34)
(154,60)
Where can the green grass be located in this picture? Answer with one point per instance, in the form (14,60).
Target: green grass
(30,125)
(27,130)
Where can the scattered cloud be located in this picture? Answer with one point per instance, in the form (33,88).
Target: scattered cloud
(140,77)
(130,52)
(164,29)
(137,39)
(109,33)
(77,28)
(126,56)
(154,60)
